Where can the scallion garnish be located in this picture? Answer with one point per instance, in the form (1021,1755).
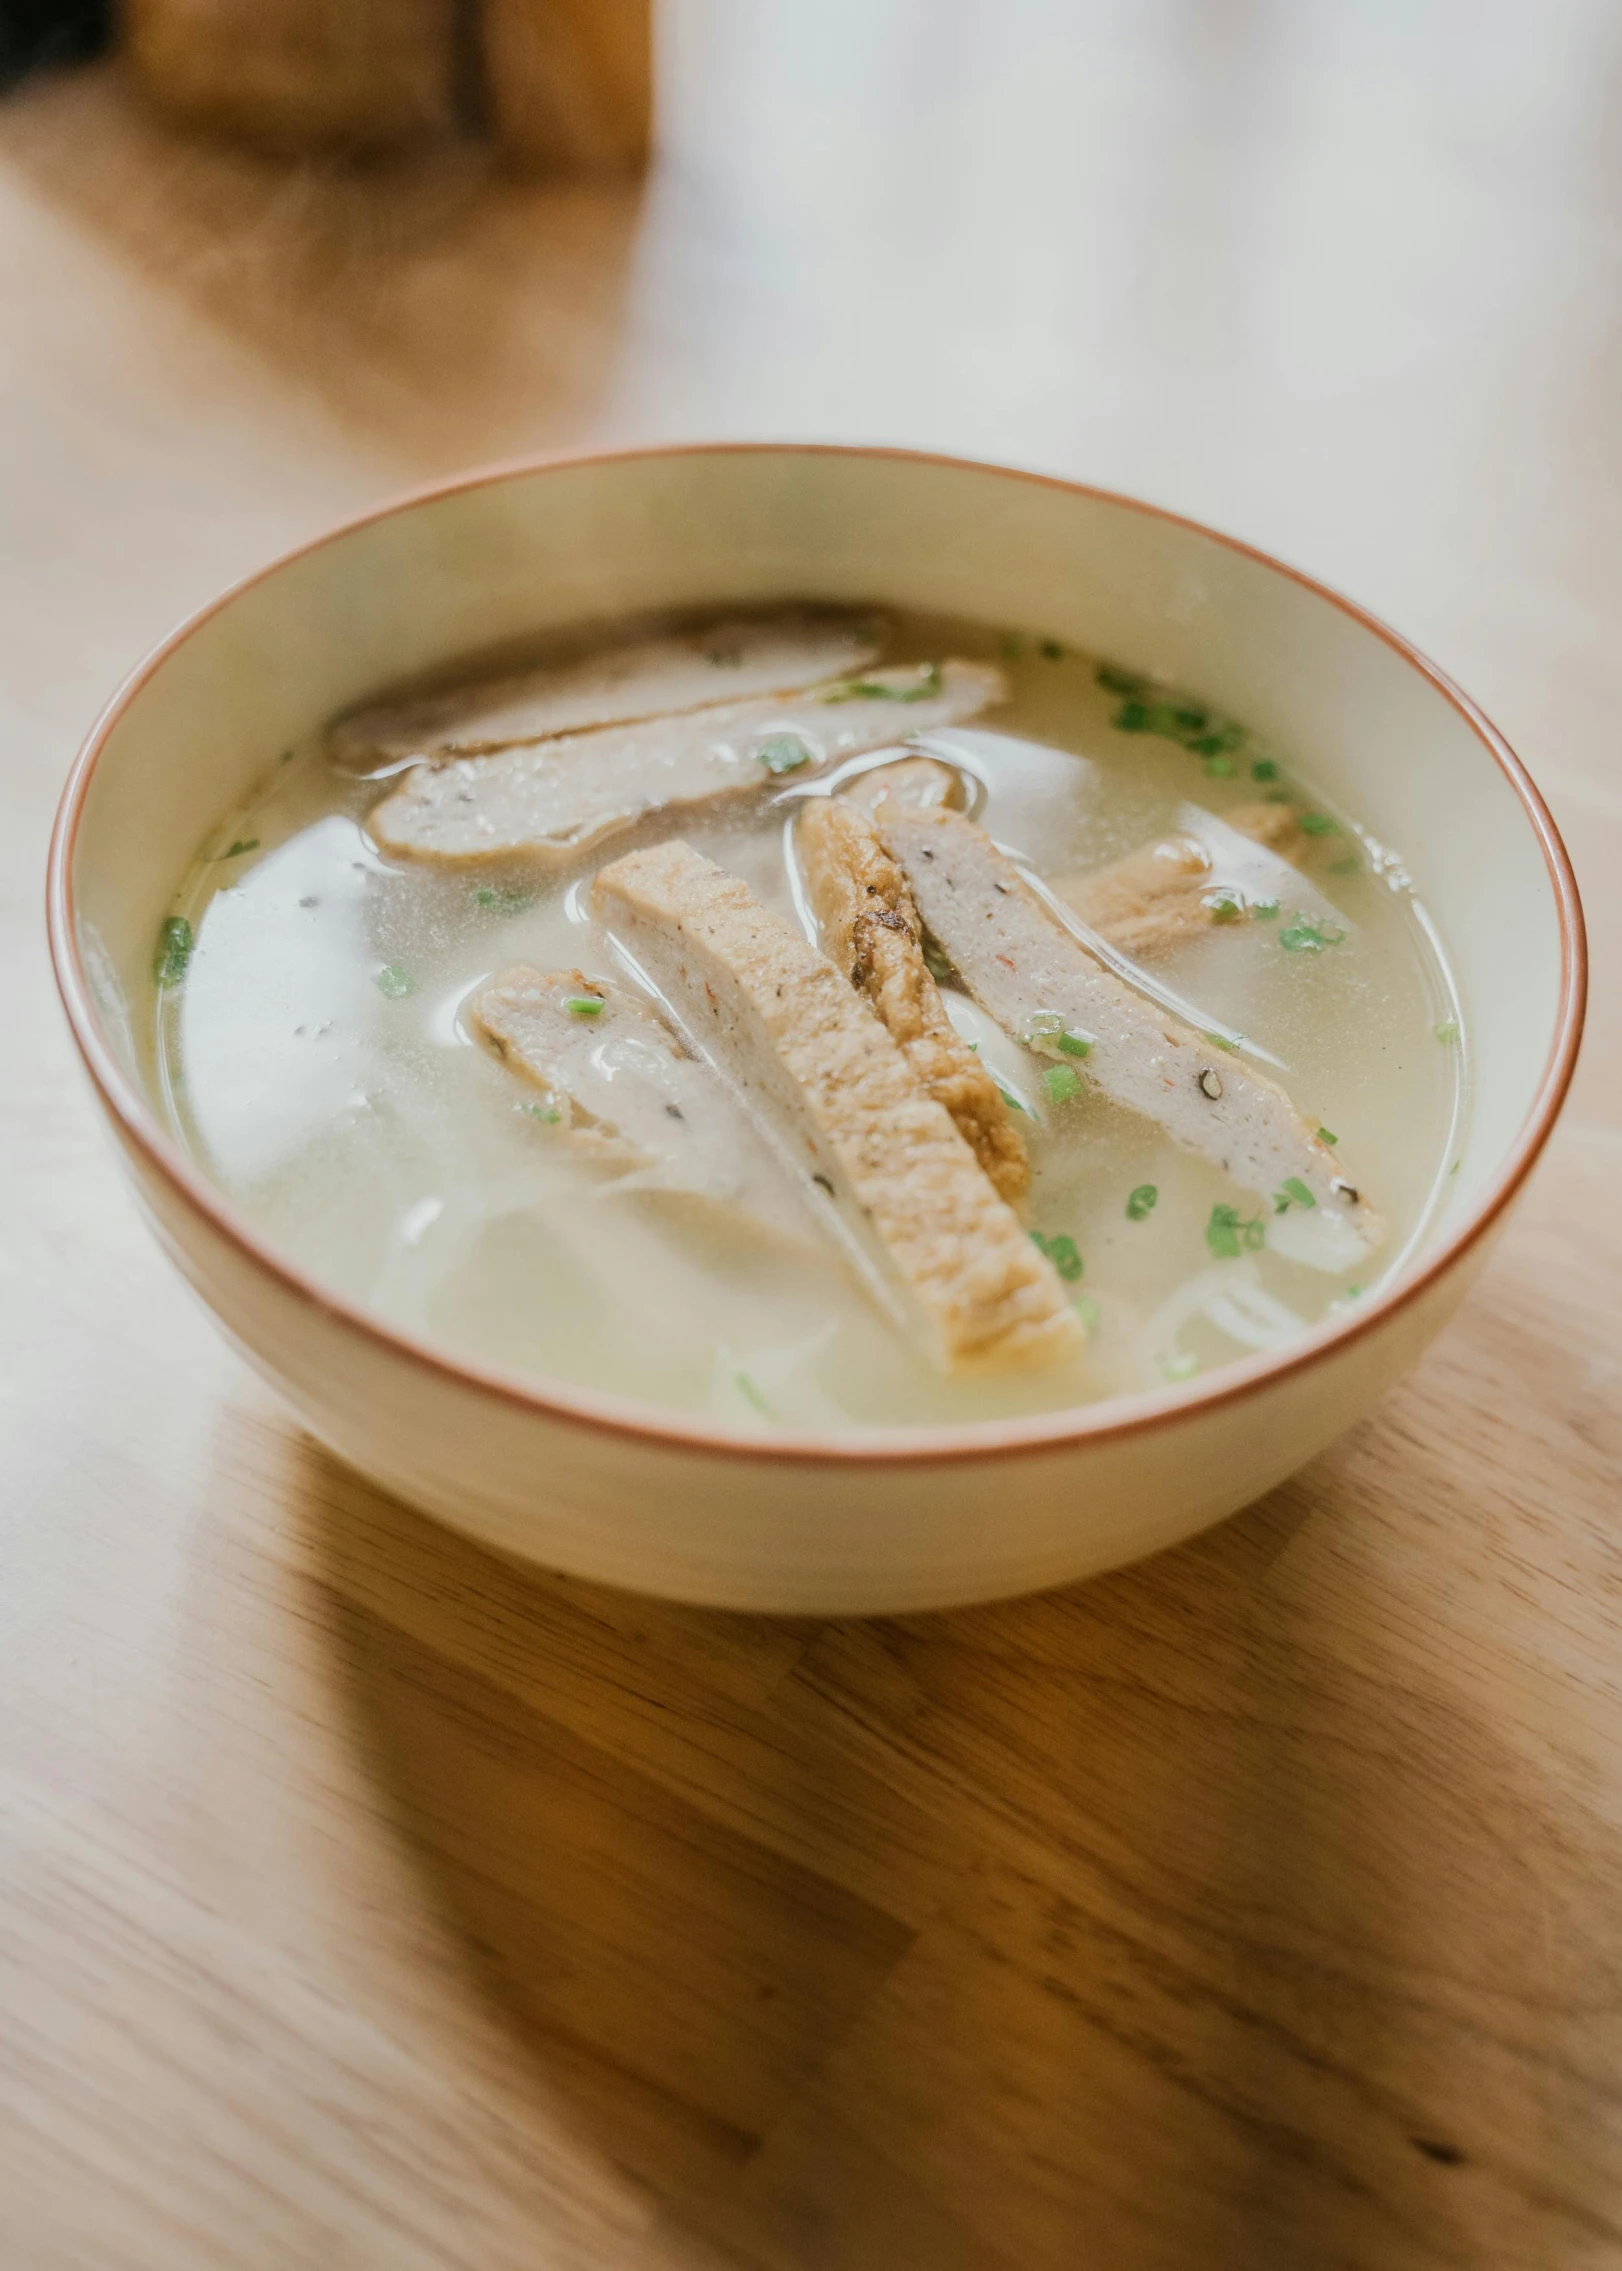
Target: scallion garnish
(873,689)
(1141,1204)
(783,753)
(1062,1251)
(1009,1098)
(1179,1365)
(1050,650)
(754,1396)
(175,943)
(1221,1041)
(1318,824)
(1226,1233)
(1327,1135)
(1013,647)
(1264,769)
(1188,724)
(1294,1193)
(243,844)
(1219,768)
(1117,681)
(1061,1083)
(393,982)
(1448,1030)
(1304,936)
(584,1005)
(503,901)
(542,1112)
(1223,907)
(1046,1033)
(1264,910)
(1087,1310)
(1348,866)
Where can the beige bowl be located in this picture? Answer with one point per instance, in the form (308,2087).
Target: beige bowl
(615,1491)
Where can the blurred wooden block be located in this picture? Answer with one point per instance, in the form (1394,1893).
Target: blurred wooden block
(569,83)
(351,73)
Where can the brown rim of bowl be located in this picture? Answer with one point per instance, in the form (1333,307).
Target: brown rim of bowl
(975,1439)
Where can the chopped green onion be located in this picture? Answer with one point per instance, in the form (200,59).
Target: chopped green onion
(1087,1310)
(175,943)
(393,983)
(1117,681)
(783,753)
(1013,647)
(873,690)
(1348,866)
(1294,1193)
(1179,1365)
(1448,1030)
(1221,1041)
(1223,907)
(1142,1202)
(243,844)
(1050,650)
(1009,1098)
(1457,1164)
(1188,724)
(1226,1232)
(1318,824)
(1222,1232)
(541,1112)
(1278,796)
(1061,1083)
(1327,1135)
(584,1005)
(503,901)
(1354,1293)
(1062,1251)
(1304,936)
(1264,769)
(1264,910)
(1046,1033)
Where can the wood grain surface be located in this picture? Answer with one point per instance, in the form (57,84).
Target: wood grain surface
(368,1902)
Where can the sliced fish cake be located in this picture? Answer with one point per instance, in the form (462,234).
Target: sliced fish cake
(1044,987)
(735,659)
(922,781)
(1164,894)
(622,1091)
(844,1106)
(870,930)
(549,802)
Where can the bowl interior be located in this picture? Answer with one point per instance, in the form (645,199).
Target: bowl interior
(551,545)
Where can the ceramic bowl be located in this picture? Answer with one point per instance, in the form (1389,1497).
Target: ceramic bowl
(636,1497)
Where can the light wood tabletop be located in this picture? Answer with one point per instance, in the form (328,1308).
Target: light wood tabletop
(368,1902)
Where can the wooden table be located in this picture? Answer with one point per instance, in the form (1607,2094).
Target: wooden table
(366,1902)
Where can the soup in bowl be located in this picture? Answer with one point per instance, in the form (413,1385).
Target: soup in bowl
(809,1028)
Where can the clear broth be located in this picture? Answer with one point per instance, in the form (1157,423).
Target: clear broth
(316,1061)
